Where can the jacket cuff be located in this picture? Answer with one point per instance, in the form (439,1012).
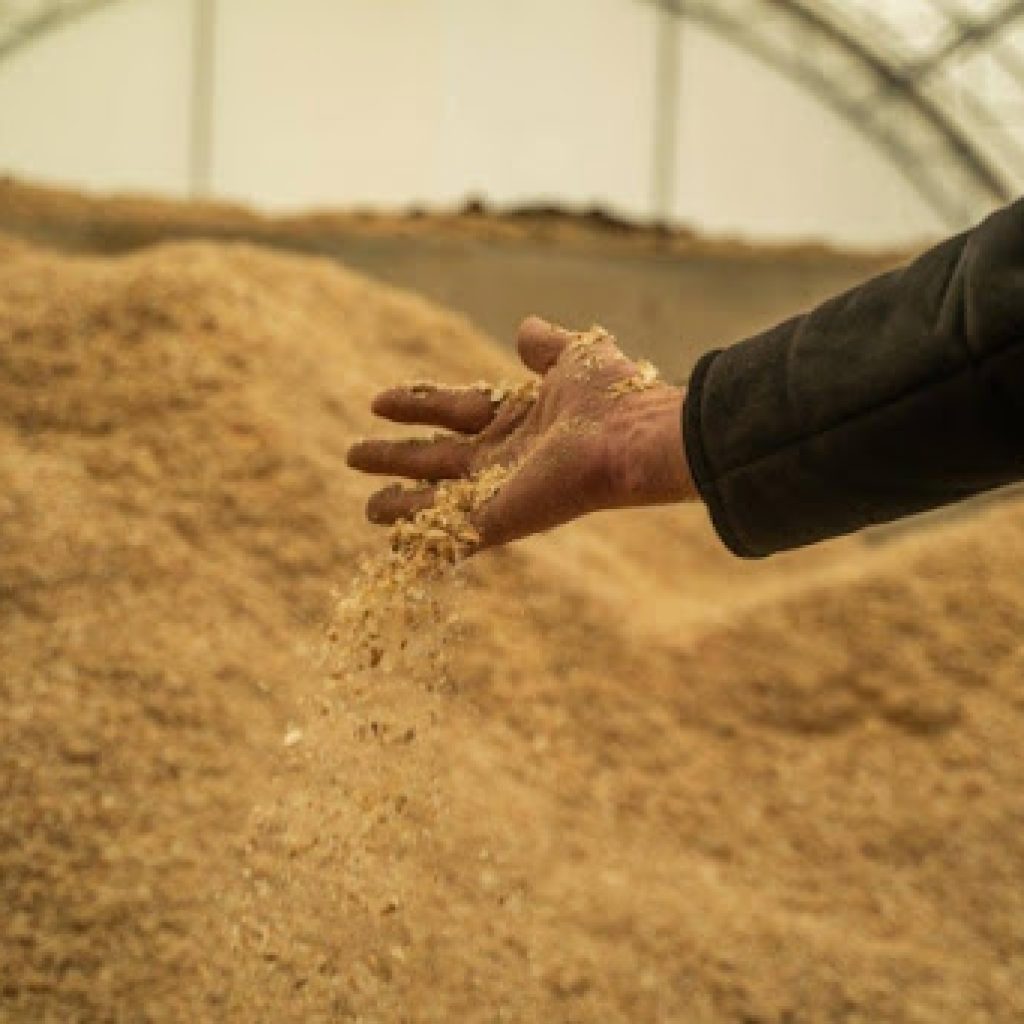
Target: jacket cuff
(696,457)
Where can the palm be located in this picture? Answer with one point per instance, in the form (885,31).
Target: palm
(559,436)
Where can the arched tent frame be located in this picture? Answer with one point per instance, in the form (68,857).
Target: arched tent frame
(936,85)
(24,21)
(944,102)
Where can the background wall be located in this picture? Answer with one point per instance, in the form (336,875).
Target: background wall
(392,102)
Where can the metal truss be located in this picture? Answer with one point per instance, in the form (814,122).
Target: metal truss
(957,140)
(963,153)
(24,21)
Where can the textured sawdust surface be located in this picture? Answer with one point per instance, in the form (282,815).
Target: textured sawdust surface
(670,295)
(658,785)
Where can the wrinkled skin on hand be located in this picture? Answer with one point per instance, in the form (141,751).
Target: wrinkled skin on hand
(586,440)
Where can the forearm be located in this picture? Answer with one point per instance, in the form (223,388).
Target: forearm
(902,395)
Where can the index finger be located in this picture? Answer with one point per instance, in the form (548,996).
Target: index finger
(464,409)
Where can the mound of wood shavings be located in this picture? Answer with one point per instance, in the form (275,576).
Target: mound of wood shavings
(808,811)
(394,617)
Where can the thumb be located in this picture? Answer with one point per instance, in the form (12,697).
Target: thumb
(541,343)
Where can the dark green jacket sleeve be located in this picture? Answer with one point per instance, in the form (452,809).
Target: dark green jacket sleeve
(901,395)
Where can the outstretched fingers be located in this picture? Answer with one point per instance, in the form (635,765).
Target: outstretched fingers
(467,410)
(440,458)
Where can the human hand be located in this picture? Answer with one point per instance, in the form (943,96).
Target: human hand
(598,431)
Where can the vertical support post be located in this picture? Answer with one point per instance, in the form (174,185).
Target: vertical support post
(666,113)
(204,18)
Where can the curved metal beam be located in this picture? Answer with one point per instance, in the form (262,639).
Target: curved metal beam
(972,33)
(898,83)
(895,79)
(51,16)
(982,184)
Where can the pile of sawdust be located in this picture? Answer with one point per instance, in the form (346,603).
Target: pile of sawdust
(174,508)
(115,223)
(659,784)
